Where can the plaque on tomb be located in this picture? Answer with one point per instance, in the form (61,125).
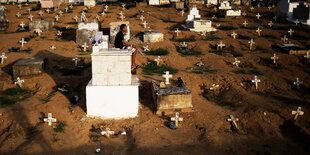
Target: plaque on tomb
(152,37)
(176,97)
(28,66)
(291,49)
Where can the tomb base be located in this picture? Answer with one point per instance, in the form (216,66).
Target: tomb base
(113,102)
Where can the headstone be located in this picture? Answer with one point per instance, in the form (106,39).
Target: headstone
(100,40)
(154,2)
(49,119)
(179,5)
(49,3)
(225,5)
(43,25)
(89,3)
(115,28)
(53,47)
(233,13)
(146,48)
(85,46)
(28,66)
(164,2)
(152,37)
(86,31)
(194,23)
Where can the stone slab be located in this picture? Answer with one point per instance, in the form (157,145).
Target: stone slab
(49,3)
(28,66)
(152,37)
(43,25)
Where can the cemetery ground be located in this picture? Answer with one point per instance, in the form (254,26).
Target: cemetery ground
(266,124)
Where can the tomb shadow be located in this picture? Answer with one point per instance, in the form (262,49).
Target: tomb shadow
(68,34)
(146,96)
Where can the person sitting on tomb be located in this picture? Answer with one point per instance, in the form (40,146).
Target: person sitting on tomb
(120,43)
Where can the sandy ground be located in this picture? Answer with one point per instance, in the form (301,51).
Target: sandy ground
(266,123)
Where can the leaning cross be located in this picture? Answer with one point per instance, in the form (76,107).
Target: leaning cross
(274,58)
(76,59)
(19,82)
(255,81)
(177,31)
(258,31)
(214,87)
(251,42)
(3,57)
(158,60)
(297,83)
(30,17)
(270,23)
(23,42)
(59,33)
(177,118)
(98,17)
(221,45)
(245,23)
(203,33)
(76,18)
(258,15)
(48,10)
(233,120)
(234,34)
(290,32)
(236,62)
(60,13)
(167,76)
(49,119)
(284,39)
(53,47)
(200,63)
(297,113)
(182,13)
(146,48)
(85,46)
(107,133)
(18,14)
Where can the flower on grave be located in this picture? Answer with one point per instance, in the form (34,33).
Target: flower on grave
(94,41)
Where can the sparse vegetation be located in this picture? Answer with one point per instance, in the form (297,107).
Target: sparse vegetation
(227,28)
(186,39)
(31,132)
(60,126)
(27,50)
(190,52)
(152,68)
(250,71)
(201,70)
(13,95)
(159,51)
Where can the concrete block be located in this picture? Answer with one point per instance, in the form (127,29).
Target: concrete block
(28,66)
(43,25)
(152,37)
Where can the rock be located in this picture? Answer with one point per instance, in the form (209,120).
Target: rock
(152,37)
(28,66)
(89,3)
(86,31)
(42,25)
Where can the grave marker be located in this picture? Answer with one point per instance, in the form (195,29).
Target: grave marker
(182,13)
(234,34)
(53,47)
(18,15)
(275,18)
(203,33)
(19,82)
(107,133)
(255,81)
(76,59)
(177,31)
(142,18)
(144,23)
(251,42)
(3,57)
(59,33)
(214,87)
(56,18)
(284,39)
(66,9)
(76,18)
(258,31)
(307,56)
(296,22)
(290,32)
(245,24)
(236,62)
(200,63)
(233,120)
(85,46)
(60,13)
(38,31)
(49,119)
(30,17)
(167,76)
(146,48)
(122,17)
(270,24)
(297,83)
(176,119)
(274,58)
(48,10)
(23,42)
(297,113)
(158,60)
(22,25)
(40,13)
(220,45)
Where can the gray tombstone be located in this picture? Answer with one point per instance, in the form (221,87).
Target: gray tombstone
(43,25)
(28,66)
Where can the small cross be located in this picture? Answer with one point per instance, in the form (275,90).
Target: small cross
(236,62)
(274,58)
(251,42)
(269,8)
(270,24)
(85,46)
(297,83)
(290,32)
(258,5)
(220,45)
(158,60)
(297,113)
(233,120)
(307,56)
(19,6)
(213,17)
(60,13)
(245,23)
(200,63)
(98,17)
(177,118)
(76,59)
(252,8)
(49,119)
(38,31)
(142,18)
(258,31)
(182,13)
(146,48)
(144,23)
(18,14)
(284,39)
(56,18)
(214,87)
(66,9)
(3,57)
(76,18)
(296,22)
(71,6)
(122,17)
(29,10)
(30,17)
(22,42)
(48,10)
(107,133)
(22,25)
(167,76)
(106,7)
(124,6)
(234,34)
(258,15)
(121,13)
(68,26)
(177,31)
(243,13)
(203,33)
(218,25)
(103,13)
(275,18)
(53,47)
(255,81)
(59,33)
(19,82)
(40,13)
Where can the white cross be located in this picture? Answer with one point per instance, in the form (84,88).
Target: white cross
(76,59)
(19,6)
(144,23)
(182,13)
(296,22)
(66,9)
(297,113)
(85,46)
(258,31)
(255,81)
(60,13)
(30,17)
(274,58)
(59,33)
(107,133)
(258,15)
(71,6)
(121,13)
(98,17)
(270,23)
(307,56)
(221,45)
(251,42)
(218,25)
(297,83)
(103,13)
(19,82)
(40,13)
(48,10)
(203,33)
(233,120)
(177,31)
(122,17)
(275,18)
(56,18)
(214,87)
(234,34)
(124,6)
(252,8)
(236,62)
(146,48)
(23,42)
(22,25)
(158,60)
(284,39)
(290,32)
(213,17)
(49,119)
(258,5)
(76,18)
(245,23)
(106,7)
(18,14)
(38,31)
(3,57)
(200,63)
(243,13)
(142,18)
(177,118)
(53,47)
(29,10)
(269,8)
(167,76)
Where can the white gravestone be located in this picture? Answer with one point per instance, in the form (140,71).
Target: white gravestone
(89,3)
(154,2)
(194,23)
(225,6)
(233,13)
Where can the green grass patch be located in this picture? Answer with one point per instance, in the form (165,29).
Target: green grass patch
(250,71)
(60,126)
(249,28)
(72,23)
(29,38)
(210,38)
(159,51)
(236,54)
(218,21)
(218,52)
(227,28)
(190,52)
(152,68)
(201,70)
(28,51)
(186,39)
(11,96)
(76,71)
(219,99)
(167,20)
(269,36)
(82,52)
(94,138)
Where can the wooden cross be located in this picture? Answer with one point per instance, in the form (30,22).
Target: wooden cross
(53,47)
(3,57)
(158,60)
(98,17)
(258,5)
(255,81)
(30,17)
(85,46)
(76,18)
(167,76)
(38,31)
(182,13)
(76,59)
(23,42)
(22,25)
(107,133)
(29,10)
(56,18)
(19,82)
(60,13)
(144,23)
(48,10)
(176,119)
(297,113)
(252,8)
(274,58)
(214,87)
(18,14)
(233,120)
(290,32)
(121,13)
(220,45)
(146,48)
(234,34)
(258,15)
(258,31)
(296,22)
(177,31)
(284,39)
(71,6)
(270,24)
(59,33)
(251,42)
(142,18)
(49,119)
(297,83)
(236,62)
(245,23)
(122,17)
(269,8)
(40,13)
